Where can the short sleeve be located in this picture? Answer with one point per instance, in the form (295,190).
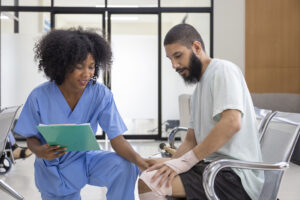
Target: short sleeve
(227,91)
(29,118)
(110,120)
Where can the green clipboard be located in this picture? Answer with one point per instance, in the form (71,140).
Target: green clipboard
(76,137)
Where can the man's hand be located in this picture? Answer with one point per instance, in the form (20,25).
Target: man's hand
(170,168)
(48,152)
(153,161)
(163,171)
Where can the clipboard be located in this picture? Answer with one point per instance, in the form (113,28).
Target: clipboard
(76,137)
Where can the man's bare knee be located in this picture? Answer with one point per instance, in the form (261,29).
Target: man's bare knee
(142,186)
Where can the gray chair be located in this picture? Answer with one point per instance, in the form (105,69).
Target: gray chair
(7,116)
(277,143)
(263,116)
(284,102)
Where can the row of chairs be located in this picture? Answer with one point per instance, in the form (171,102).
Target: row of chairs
(7,116)
(278,136)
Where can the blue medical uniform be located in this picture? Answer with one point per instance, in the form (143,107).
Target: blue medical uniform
(11,139)
(63,177)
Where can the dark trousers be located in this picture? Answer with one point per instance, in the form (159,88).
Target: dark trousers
(228,184)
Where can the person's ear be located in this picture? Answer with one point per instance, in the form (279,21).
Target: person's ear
(196,47)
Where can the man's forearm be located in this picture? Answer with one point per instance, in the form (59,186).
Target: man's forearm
(188,144)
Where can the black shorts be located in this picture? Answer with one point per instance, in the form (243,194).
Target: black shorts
(228,184)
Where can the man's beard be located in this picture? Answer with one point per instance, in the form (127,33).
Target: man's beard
(194,68)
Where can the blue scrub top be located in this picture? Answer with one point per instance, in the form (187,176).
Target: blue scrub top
(47,105)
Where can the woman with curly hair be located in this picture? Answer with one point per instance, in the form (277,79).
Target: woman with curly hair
(72,59)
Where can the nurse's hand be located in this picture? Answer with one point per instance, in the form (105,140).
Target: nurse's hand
(48,152)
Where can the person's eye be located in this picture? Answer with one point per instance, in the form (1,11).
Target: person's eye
(177,56)
(91,67)
(79,66)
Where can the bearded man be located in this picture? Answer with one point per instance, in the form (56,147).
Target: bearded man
(222,126)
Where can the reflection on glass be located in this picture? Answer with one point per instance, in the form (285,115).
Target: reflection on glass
(7,22)
(86,21)
(26,3)
(134,71)
(172,83)
(132,3)
(85,3)
(185,3)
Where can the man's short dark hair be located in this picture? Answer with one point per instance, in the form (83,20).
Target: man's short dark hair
(59,51)
(184,34)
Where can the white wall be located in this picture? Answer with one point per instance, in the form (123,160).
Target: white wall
(229,31)
(19,72)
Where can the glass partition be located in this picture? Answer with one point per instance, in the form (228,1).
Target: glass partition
(86,21)
(132,3)
(26,2)
(146,89)
(134,75)
(172,83)
(85,3)
(185,3)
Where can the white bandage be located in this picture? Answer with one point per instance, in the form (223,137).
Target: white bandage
(163,190)
(151,196)
(183,163)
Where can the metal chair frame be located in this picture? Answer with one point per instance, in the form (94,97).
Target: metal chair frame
(4,186)
(213,168)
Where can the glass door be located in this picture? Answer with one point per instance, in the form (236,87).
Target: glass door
(134,74)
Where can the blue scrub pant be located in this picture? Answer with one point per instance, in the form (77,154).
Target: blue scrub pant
(11,139)
(104,169)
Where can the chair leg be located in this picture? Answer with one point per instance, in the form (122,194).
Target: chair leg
(6,188)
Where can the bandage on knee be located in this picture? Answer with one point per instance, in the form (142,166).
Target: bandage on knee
(151,196)
(183,163)
(163,190)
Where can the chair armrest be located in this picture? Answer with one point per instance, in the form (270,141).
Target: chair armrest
(171,137)
(211,171)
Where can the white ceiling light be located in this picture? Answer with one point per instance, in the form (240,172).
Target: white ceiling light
(7,15)
(4,17)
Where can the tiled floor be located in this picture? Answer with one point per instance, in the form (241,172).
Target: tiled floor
(21,177)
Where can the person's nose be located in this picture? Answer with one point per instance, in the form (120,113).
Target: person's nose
(87,72)
(175,64)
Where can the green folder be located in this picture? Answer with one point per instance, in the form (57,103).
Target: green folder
(76,137)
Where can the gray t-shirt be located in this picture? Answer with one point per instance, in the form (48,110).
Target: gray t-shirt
(223,87)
